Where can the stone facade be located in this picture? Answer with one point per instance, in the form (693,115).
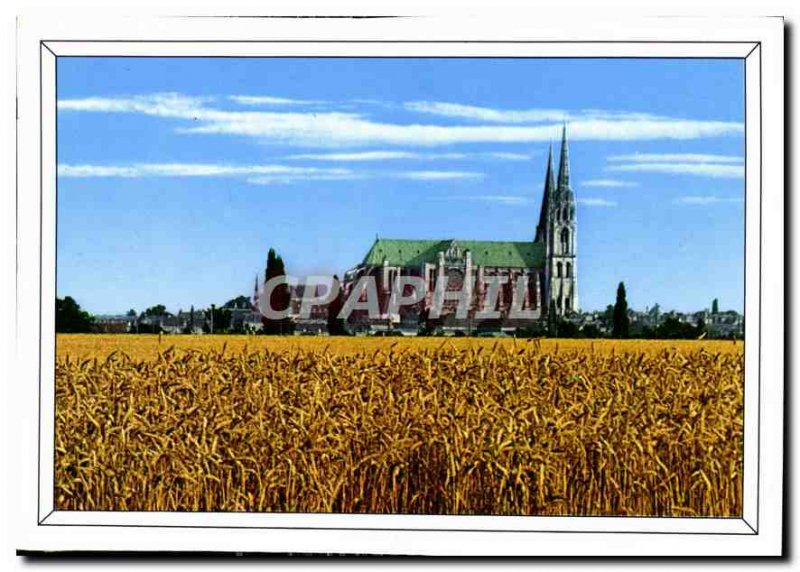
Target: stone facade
(560,228)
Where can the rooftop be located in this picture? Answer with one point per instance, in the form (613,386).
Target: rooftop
(403,252)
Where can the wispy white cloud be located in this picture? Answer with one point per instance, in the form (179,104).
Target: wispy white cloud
(345,129)
(612,114)
(705,200)
(439,175)
(500,199)
(676,158)
(196,170)
(596,202)
(407,155)
(608,183)
(256,174)
(279,179)
(534,115)
(715,170)
(172,105)
(485,113)
(510,156)
(269,100)
(338,129)
(359,156)
(85,171)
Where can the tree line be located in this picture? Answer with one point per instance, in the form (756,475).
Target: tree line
(70,318)
(617,325)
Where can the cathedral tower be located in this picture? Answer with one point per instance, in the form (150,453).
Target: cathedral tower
(557,228)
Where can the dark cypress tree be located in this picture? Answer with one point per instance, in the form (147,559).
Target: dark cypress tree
(621,321)
(270,270)
(284,299)
(280,297)
(336,325)
(552,320)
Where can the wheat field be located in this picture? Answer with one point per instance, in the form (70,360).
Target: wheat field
(420,426)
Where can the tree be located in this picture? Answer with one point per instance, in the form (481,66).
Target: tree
(648,333)
(591,331)
(715,306)
(674,329)
(149,321)
(567,329)
(131,313)
(531,331)
(70,318)
(608,316)
(238,302)
(621,320)
(280,297)
(552,320)
(220,319)
(156,311)
(336,325)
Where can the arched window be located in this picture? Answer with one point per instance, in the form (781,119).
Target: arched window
(566,213)
(569,269)
(558,270)
(565,240)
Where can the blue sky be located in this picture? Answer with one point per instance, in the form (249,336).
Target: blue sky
(176,175)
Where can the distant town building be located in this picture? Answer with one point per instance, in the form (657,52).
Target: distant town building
(725,324)
(113,324)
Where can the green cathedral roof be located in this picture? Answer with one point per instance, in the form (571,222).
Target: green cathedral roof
(484,252)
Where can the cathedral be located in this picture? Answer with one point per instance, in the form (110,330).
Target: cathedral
(538,276)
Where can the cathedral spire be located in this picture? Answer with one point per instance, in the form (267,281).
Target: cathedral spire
(549,189)
(563,164)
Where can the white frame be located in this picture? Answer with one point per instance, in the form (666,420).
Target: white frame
(758,41)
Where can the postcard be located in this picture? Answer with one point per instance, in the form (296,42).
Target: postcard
(394,287)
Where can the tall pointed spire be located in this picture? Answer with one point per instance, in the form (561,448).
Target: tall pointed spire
(549,189)
(563,164)
(255,293)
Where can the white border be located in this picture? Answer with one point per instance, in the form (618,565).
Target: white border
(760,41)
